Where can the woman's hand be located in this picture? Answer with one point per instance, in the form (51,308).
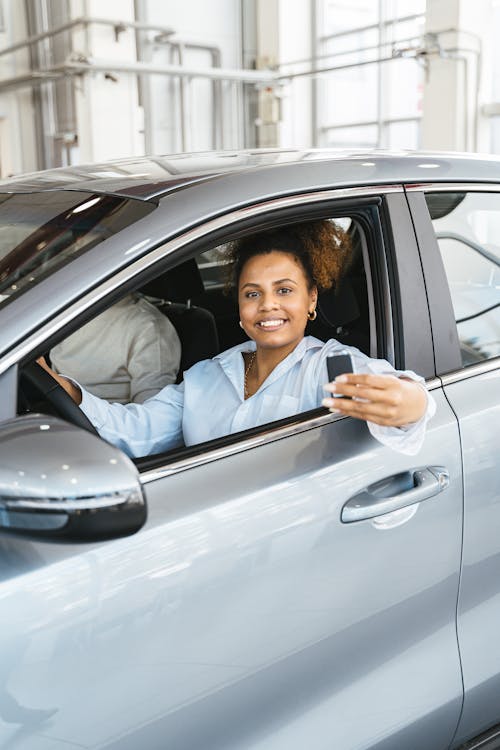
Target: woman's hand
(383,399)
(68,386)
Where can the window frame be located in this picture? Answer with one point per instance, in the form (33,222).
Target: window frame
(444,329)
(392,227)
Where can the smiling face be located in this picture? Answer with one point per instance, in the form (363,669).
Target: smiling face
(274,299)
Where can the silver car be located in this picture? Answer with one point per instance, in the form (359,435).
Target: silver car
(297,585)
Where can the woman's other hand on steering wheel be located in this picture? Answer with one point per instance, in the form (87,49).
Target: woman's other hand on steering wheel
(70,388)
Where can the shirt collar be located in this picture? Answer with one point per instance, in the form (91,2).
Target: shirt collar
(232,363)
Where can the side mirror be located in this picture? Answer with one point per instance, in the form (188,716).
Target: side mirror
(56,478)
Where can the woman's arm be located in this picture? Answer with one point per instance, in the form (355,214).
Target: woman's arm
(137,429)
(70,387)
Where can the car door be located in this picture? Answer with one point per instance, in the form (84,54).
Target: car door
(258,607)
(461,254)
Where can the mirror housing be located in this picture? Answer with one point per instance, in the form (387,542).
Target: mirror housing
(57,479)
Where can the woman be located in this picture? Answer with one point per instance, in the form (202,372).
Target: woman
(279,372)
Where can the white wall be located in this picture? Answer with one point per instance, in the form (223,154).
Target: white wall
(17,135)
(109,121)
(452,117)
(215,23)
(295,35)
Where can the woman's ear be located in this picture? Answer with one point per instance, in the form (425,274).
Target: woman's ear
(314,296)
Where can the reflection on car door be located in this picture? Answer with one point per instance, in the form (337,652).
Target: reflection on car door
(288,626)
(471,218)
(476,401)
(246,614)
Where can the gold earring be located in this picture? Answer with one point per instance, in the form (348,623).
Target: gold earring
(312,315)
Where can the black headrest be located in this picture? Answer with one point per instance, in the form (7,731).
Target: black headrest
(338,307)
(177,285)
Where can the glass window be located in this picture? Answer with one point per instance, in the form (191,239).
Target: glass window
(403,88)
(340,15)
(404,134)
(401,8)
(361,135)
(467,227)
(40,232)
(206,323)
(377,80)
(350,96)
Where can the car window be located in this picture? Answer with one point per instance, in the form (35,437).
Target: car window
(195,300)
(467,227)
(41,232)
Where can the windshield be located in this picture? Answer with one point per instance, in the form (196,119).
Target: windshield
(40,232)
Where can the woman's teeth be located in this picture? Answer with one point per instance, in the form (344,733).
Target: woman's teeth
(271,323)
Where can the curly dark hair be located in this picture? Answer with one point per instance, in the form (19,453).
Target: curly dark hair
(322,248)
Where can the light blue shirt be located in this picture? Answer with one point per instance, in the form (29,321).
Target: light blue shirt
(209,403)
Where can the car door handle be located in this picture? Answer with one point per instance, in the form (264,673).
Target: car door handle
(395,492)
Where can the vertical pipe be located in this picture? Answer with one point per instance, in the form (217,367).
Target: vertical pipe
(144,93)
(466,100)
(215,102)
(182,99)
(218,103)
(42,96)
(314,80)
(379,75)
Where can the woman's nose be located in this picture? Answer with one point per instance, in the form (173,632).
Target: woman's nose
(268,302)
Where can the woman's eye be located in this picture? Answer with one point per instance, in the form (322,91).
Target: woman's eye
(284,290)
(251,295)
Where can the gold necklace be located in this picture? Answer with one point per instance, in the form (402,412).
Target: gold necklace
(249,366)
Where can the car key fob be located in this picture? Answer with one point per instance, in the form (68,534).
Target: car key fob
(339,364)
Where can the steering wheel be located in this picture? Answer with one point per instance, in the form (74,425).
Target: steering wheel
(49,389)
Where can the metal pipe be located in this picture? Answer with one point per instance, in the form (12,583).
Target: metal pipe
(332,68)
(360,63)
(314,82)
(183,94)
(362,123)
(370,47)
(85,21)
(218,102)
(35,78)
(143,92)
(380,126)
(478,54)
(222,74)
(54,73)
(357,29)
(217,93)
(78,68)
(37,94)
(367,48)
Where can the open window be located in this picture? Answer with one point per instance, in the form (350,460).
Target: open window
(189,289)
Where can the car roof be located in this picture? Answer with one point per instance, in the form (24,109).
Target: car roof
(149,177)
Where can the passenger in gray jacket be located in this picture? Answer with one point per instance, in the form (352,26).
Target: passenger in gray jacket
(126,354)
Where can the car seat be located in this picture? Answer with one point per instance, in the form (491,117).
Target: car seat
(343,310)
(172,293)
